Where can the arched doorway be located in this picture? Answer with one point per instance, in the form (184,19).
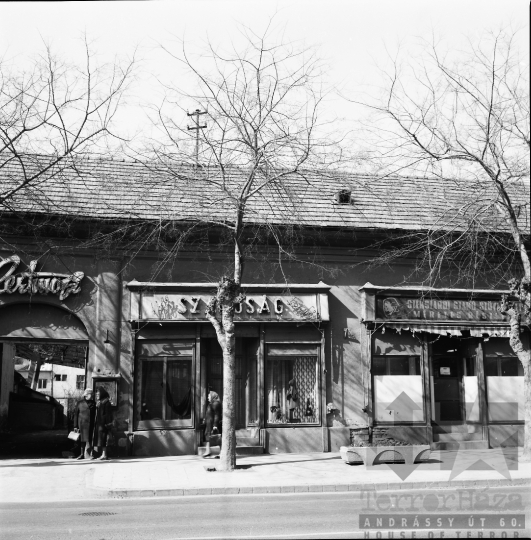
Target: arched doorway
(44,350)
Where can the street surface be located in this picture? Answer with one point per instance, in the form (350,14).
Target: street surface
(307,515)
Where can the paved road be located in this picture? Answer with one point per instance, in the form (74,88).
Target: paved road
(323,515)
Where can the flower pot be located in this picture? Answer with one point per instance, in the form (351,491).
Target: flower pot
(373,455)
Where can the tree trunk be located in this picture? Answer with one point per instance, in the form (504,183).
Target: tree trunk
(523,354)
(221,307)
(228,436)
(526,456)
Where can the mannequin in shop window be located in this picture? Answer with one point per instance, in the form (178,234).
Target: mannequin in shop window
(213,422)
(292,398)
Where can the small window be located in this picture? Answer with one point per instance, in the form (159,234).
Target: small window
(63,378)
(470,366)
(344,196)
(503,366)
(80,382)
(491,366)
(396,365)
(57,377)
(42,383)
(510,367)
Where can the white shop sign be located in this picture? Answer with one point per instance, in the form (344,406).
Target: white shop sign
(255,307)
(33,282)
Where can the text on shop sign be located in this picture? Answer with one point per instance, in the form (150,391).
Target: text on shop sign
(183,307)
(32,282)
(438,310)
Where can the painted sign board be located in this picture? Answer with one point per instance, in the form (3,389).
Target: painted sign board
(256,307)
(396,308)
(32,282)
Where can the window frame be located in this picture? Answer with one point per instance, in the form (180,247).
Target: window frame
(499,359)
(146,425)
(319,404)
(387,358)
(80,382)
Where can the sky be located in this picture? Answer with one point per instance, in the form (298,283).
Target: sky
(354,37)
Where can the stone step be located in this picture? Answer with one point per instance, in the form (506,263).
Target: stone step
(457,437)
(247,441)
(463,445)
(249,432)
(456,428)
(240,450)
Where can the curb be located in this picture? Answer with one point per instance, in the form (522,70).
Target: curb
(308,488)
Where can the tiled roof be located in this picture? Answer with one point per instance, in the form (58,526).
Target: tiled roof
(110,189)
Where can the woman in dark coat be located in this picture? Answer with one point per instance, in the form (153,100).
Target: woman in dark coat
(84,414)
(213,419)
(103,422)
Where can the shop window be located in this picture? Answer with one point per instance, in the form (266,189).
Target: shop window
(292,384)
(80,382)
(505,388)
(397,389)
(165,379)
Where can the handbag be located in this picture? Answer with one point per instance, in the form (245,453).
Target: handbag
(74,435)
(215,439)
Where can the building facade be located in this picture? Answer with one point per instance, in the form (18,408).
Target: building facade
(324,352)
(316,362)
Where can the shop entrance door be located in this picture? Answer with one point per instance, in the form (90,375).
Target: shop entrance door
(246,397)
(447,381)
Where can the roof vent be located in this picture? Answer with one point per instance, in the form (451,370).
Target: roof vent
(344,196)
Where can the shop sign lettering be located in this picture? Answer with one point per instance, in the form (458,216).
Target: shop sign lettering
(32,282)
(394,308)
(254,307)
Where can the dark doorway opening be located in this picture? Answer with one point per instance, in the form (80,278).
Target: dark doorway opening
(246,402)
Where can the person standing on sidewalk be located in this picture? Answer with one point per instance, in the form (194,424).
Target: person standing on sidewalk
(213,421)
(103,422)
(84,414)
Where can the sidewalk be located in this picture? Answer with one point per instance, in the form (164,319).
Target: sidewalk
(28,480)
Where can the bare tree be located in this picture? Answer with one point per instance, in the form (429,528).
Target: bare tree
(466,122)
(52,113)
(262,128)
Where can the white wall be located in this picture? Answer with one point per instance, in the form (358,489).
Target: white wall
(471,398)
(64,389)
(388,388)
(505,397)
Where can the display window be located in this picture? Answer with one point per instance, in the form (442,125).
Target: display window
(292,384)
(505,382)
(164,384)
(396,370)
